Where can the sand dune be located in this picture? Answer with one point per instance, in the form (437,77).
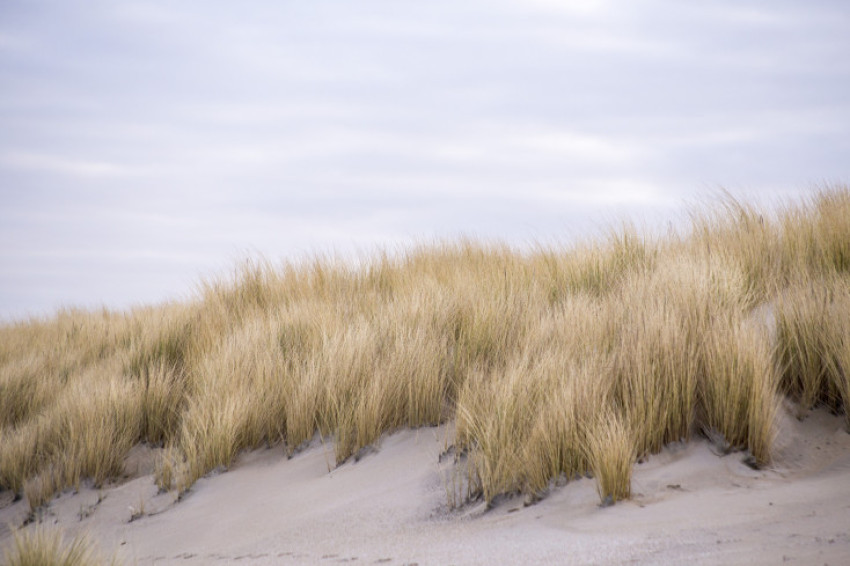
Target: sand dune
(690,505)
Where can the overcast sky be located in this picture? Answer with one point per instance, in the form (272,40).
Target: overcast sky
(144,144)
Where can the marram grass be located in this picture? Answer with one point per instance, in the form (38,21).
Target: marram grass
(41,546)
(553,363)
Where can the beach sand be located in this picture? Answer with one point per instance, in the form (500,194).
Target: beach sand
(690,506)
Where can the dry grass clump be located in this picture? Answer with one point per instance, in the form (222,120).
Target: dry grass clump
(747,236)
(39,546)
(815,236)
(737,391)
(556,444)
(610,453)
(595,267)
(813,342)
(554,363)
(59,348)
(236,400)
(92,426)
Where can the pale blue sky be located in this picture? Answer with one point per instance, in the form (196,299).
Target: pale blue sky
(145,144)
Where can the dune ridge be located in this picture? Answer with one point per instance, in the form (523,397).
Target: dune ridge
(551,365)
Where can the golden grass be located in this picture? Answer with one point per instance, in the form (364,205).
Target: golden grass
(737,389)
(40,546)
(813,342)
(553,363)
(610,453)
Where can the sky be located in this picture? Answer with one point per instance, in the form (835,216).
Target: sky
(145,145)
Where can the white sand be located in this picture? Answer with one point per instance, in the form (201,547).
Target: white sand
(690,507)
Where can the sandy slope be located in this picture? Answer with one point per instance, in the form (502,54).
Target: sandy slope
(691,506)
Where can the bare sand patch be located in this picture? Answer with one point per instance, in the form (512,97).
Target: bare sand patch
(689,505)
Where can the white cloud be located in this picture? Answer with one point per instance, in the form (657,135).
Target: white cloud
(585,147)
(579,7)
(147,13)
(73,167)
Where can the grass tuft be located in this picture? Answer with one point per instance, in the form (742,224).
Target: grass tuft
(611,452)
(40,546)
